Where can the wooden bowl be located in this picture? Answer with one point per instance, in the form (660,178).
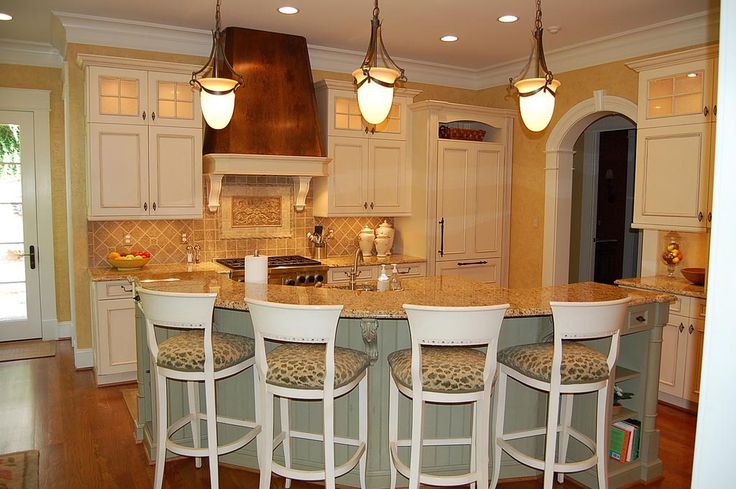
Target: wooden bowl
(694,275)
(123,264)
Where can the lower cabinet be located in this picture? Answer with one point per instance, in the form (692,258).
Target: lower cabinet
(682,353)
(371,272)
(113,330)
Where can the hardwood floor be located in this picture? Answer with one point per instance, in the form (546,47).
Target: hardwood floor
(84,434)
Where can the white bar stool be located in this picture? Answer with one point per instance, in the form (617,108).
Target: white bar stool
(563,370)
(441,367)
(195,355)
(307,366)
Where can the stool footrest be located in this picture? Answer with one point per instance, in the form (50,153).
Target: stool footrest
(316,475)
(433,480)
(180,449)
(539,464)
(433,442)
(303,435)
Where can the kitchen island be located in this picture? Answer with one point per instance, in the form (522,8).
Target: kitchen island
(375,322)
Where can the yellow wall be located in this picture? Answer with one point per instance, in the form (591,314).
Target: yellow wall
(39,78)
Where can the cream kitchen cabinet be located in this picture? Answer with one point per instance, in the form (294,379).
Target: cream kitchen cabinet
(113,329)
(675,140)
(682,352)
(462,192)
(144,140)
(368,174)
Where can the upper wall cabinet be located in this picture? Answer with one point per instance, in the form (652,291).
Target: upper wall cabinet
(144,137)
(368,174)
(128,96)
(675,137)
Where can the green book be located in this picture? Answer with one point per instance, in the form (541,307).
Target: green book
(617,443)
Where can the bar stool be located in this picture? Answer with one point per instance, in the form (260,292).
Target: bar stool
(306,366)
(563,370)
(196,355)
(441,367)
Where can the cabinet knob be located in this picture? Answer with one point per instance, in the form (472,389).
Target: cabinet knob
(641,318)
(145,206)
(144,115)
(153,116)
(154,206)
(710,217)
(681,328)
(371,205)
(700,216)
(365,205)
(690,329)
(715,110)
(705,111)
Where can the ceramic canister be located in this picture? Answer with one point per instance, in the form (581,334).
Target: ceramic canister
(386,229)
(365,241)
(383,246)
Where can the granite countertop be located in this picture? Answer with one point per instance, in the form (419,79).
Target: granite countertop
(663,283)
(440,291)
(166,270)
(348,260)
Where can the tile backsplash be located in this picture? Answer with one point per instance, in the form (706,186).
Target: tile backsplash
(162,238)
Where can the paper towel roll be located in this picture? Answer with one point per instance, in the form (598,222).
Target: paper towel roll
(256,269)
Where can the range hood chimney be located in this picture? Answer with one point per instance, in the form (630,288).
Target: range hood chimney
(274,129)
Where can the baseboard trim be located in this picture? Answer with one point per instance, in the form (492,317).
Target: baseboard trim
(118,378)
(65,329)
(50,329)
(83,358)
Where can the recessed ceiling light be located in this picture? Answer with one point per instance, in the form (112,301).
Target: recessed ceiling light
(289,10)
(4,16)
(448,38)
(506,19)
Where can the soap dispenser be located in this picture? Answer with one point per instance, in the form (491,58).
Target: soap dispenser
(395,283)
(383,282)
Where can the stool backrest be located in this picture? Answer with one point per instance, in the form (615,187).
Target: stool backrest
(587,320)
(294,323)
(177,310)
(454,326)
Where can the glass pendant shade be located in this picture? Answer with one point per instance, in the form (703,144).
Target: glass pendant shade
(217,107)
(536,110)
(375,99)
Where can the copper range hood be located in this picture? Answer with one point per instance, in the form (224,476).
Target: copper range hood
(275,128)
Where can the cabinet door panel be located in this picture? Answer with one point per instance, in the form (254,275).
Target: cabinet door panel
(117,95)
(489,199)
(175,161)
(674,344)
(693,360)
(172,101)
(387,176)
(672,172)
(118,177)
(453,175)
(349,174)
(117,347)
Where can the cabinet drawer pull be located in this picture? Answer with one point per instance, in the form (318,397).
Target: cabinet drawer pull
(690,329)
(126,290)
(681,328)
(463,263)
(402,272)
(641,318)
(442,237)
(700,216)
(705,111)
(145,206)
(144,115)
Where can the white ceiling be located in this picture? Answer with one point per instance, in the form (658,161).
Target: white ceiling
(411,27)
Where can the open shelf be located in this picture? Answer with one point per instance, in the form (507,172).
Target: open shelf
(625,413)
(623,373)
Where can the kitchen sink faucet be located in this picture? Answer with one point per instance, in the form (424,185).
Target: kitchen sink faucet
(355,273)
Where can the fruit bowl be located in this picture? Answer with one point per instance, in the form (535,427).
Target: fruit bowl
(695,275)
(130,261)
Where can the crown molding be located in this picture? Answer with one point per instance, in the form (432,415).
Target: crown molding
(692,30)
(705,52)
(29,53)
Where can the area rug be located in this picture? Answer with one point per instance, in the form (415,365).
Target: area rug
(23,350)
(19,470)
(130,396)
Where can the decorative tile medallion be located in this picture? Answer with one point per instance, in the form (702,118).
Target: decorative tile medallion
(256,211)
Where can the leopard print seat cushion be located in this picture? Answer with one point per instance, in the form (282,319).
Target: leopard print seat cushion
(444,368)
(302,365)
(580,364)
(185,351)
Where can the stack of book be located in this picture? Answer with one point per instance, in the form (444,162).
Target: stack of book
(623,444)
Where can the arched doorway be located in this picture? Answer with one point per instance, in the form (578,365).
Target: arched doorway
(558,178)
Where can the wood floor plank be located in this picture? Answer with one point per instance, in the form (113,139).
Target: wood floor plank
(85,436)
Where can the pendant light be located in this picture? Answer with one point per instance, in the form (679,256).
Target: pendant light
(536,95)
(375,84)
(217,94)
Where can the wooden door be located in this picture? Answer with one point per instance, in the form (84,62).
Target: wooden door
(175,164)
(118,173)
